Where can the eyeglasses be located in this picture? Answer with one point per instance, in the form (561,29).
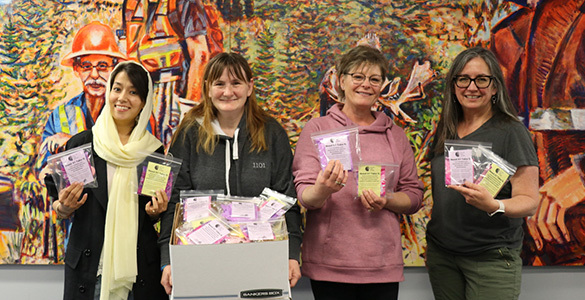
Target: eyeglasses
(101,66)
(481,82)
(358,78)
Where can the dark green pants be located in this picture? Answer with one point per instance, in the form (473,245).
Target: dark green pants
(494,274)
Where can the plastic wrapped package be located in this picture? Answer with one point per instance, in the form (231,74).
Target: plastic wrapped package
(376,176)
(73,165)
(460,156)
(274,204)
(157,172)
(339,144)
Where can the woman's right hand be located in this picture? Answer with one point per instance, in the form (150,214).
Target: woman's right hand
(329,181)
(333,178)
(69,199)
(166,279)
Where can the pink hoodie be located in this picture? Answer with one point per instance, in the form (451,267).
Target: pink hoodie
(343,242)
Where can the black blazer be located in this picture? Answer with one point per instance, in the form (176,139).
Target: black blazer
(86,238)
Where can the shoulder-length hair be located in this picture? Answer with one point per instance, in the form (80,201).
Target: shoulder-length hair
(256,117)
(452,112)
(360,56)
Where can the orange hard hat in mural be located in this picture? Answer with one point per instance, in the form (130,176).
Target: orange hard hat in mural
(93,38)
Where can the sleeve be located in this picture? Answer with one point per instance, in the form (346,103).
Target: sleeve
(181,148)
(282,181)
(306,165)
(408,181)
(519,147)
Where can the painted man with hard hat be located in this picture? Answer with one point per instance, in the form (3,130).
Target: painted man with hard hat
(94,54)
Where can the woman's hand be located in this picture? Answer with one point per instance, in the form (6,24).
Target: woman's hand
(373,202)
(333,178)
(328,181)
(166,279)
(157,205)
(477,196)
(69,200)
(294,272)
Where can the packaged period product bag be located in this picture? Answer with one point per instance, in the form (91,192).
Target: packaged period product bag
(274,204)
(460,157)
(209,217)
(157,172)
(378,177)
(493,171)
(238,209)
(73,165)
(339,144)
(197,204)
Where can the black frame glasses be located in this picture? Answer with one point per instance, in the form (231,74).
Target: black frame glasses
(481,82)
(359,78)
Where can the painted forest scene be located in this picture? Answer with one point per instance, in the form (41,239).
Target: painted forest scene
(292,47)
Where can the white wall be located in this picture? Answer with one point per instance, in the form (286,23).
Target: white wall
(23,282)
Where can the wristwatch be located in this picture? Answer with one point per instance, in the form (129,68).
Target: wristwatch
(501,209)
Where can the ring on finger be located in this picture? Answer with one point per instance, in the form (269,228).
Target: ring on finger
(153,211)
(338,182)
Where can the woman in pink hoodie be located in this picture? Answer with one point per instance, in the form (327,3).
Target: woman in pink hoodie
(352,244)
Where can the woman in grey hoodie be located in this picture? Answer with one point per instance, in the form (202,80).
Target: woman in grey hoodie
(228,142)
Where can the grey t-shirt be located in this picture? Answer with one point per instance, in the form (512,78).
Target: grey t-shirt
(462,229)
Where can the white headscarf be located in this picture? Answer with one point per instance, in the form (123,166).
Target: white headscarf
(121,232)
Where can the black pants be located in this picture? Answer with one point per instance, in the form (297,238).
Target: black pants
(325,290)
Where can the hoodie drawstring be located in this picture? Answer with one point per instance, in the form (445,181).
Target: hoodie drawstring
(236,156)
(227,167)
(228,158)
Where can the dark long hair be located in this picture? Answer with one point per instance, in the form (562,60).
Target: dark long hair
(452,111)
(137,75)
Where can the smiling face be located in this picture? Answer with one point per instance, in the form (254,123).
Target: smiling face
(472,97)
(125,103)
(361,95)
(229,93)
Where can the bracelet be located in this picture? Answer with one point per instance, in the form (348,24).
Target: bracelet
(501,208)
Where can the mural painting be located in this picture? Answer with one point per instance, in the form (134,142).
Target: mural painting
(56,55)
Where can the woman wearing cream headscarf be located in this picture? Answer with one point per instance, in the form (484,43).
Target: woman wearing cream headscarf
(112,251)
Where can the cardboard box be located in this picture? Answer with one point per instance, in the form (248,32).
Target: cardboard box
(230,271)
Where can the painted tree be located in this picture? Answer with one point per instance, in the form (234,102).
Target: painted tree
(233,10)
(29,82)
(239,39)
(263,68)
(249,8)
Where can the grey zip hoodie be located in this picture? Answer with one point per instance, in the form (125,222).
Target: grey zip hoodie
(234,169)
